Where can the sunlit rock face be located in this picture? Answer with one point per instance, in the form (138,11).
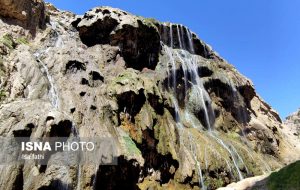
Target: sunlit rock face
(182,117)
(293,119)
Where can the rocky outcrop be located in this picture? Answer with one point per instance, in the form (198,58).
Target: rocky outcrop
(182,117)
(27,13)
(293,121)
(138,39)
(292,131)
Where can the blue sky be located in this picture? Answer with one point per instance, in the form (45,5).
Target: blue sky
(261,38)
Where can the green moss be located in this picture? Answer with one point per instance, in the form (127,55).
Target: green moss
(234,135)
(124,78)
(2,95)
(150,22)
(8,41)
(2,68)
(162,136)
(214,183)
(22,41)
(11,43)
(131,147)
(286,178)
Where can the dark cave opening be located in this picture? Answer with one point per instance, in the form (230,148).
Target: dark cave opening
(125,175)
(131,103)
(75,66)
(62,129)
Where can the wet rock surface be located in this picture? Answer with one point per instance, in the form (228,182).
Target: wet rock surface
(182,117)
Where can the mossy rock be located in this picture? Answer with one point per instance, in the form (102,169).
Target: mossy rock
(22,41)
(166,137)
(2,67)
(131,147)
(151,22)
(286,178)
(8,41)
(214,183)
(11,43)
(2,95)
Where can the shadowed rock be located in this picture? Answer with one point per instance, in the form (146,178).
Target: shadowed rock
(138,40)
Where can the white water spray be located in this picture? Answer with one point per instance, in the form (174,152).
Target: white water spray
(53,91)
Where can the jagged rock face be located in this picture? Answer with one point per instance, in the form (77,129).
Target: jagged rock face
(28,13)
(138,39)
(182,116)
(294,119)
(292,131)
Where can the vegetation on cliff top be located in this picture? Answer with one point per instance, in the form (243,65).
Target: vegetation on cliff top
(286,178)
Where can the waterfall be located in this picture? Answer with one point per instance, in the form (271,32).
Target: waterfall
(179,37)
(242,116)
(200,174)
(198,164)
(240,158)
(194,87)
(190,69)
(59,42)
(53,91)
(191,44)
(231,154)
(75,132)
(171,35)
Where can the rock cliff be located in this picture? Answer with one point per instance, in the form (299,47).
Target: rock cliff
(182,116)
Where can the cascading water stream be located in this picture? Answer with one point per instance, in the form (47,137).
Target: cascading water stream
(231,154)
(171,35)
(190,68)
(52,92)
(76,138)
(190,71)
(240,158)
(59,42)
(241,114)
(198,164)
(192,65)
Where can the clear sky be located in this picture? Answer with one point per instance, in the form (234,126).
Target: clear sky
(261,38)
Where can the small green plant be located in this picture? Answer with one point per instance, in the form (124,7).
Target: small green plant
(2,95)
(11,43)
(2,68)
(22,41)
(8,41)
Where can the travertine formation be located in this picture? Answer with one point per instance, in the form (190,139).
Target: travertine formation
(183,117)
